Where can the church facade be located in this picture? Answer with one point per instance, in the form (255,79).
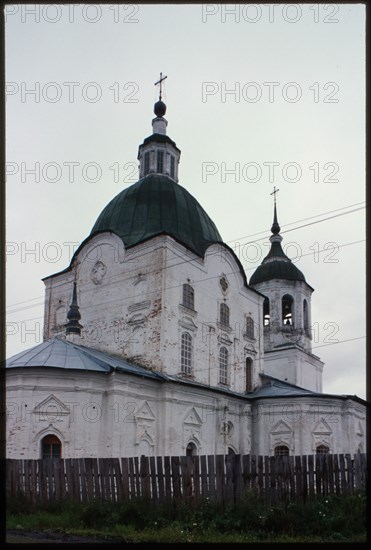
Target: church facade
(156,344)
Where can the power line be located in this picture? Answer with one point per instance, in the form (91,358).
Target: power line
(188,260)
(177,285)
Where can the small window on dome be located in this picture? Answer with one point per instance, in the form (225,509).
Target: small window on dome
(172,166)
(146,163)
(160,162)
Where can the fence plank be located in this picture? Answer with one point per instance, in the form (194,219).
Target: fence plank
(229,489)
(219,466)
(318,474)
(350,481)
(102,479)
(69,480)
(330,473)
(96,479)
(298,479)
(27,478)
(246,473)
(272,484)
(160,479)
(89,478)
(267,482)
(113,479)
(344,488)
(253,478)
(310,477)
(133,487)
(336,474)
(186,481)
(237,478)
(138,488)
(196,479)
(304,477)
(291,467)
(33,482)
(83,480)
(57,464)
(260,476)
(144,477)
(153,477)
(211,473)
(42,480)
(118,479)
(204,485)
(125,478)
(176,477)
(168,486)
(76,479)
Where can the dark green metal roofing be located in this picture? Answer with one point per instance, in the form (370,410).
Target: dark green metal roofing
(156,205)
(276,265)
(276,270)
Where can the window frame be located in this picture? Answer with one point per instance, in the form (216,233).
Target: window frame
(188,296)
(186,354)
(223,366)
(224,315)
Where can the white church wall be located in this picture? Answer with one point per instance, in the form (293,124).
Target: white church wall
(117,415)
(303,423)
(296,367)
(203,323)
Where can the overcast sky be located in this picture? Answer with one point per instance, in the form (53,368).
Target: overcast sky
(263,96)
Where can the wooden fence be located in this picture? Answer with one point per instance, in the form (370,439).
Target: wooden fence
(191,479)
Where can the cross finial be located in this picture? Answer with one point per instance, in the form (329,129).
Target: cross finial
(274,192)
(162,78)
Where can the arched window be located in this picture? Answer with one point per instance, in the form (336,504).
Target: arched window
(186,354)
(281,450)
(231,451)
(305,316)
(248,374)
(322,450)
(266,315)
(191,449)
(287,310)
(51,447)
(188,296)
(224,315)
(223,365)
(249,327)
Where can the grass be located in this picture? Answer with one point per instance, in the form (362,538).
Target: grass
(331,519)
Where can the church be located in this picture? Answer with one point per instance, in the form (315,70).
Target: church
(156,344)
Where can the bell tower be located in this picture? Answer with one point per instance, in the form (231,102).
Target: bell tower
(286,316)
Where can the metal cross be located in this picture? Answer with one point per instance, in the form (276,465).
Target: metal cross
(274,193)
(162,78)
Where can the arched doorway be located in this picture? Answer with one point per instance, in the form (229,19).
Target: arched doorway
(51,447)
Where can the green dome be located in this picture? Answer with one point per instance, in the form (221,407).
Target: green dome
(276,265)
(276,269)
(156,205)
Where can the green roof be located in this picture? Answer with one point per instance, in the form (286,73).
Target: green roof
(156,205)
(277,269)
